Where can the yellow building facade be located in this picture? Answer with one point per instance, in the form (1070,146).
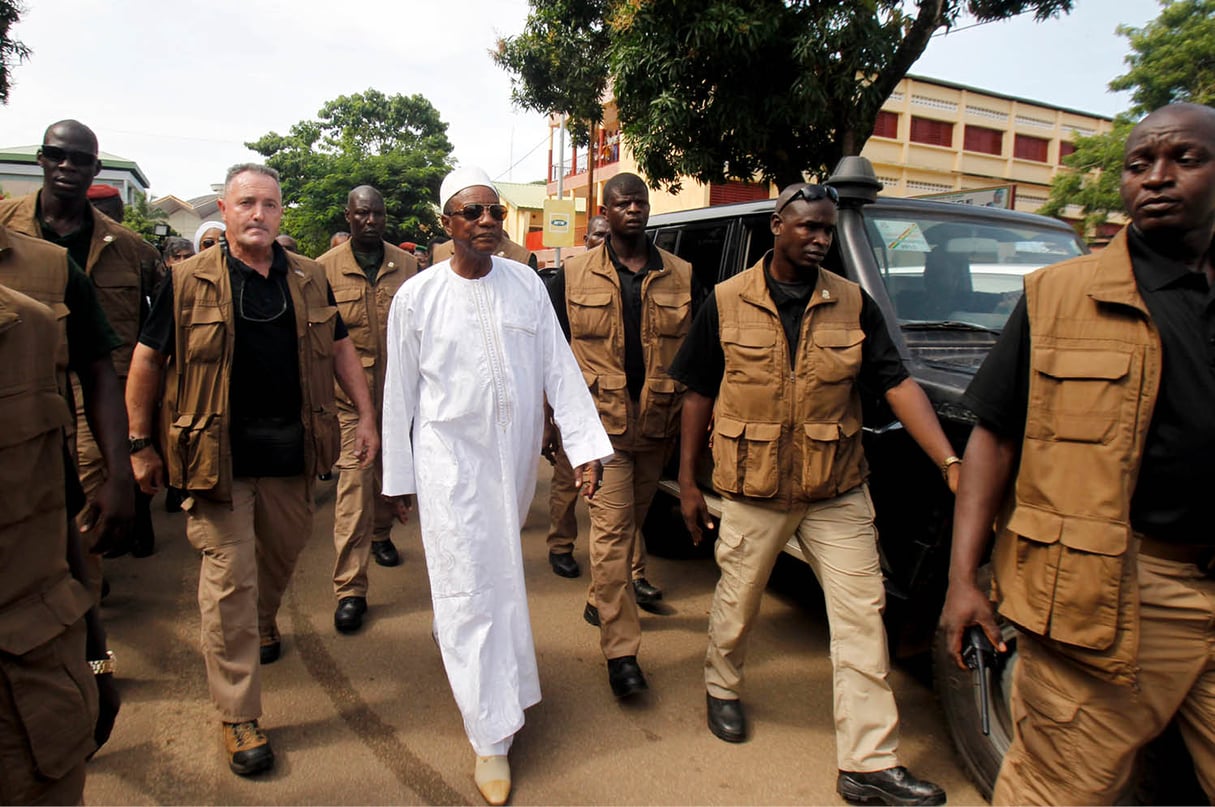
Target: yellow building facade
(931,137)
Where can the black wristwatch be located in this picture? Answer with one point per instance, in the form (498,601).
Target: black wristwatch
(138,443)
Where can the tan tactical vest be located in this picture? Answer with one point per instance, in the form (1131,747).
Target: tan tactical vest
(39,598)
(364,308)
(40,270)
(196,427)
(596,317)
(1064,558)
(115,266)
(784,435)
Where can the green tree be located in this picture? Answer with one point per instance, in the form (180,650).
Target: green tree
(1172,59)
(143,218)
(398,144)
(731,88)
(12,51)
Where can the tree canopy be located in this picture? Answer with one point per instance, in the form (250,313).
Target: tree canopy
(731,88)
(143,218)
(1172,59)
(12,51)
(397,144)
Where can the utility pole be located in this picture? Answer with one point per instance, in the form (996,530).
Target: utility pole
(561,173)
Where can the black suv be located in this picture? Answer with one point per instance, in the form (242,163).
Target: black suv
(946,277)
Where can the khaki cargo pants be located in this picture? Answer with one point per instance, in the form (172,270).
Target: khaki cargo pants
(838,538)
(1075,735)
(360,514)
(630,479)
(249,548)
(563,523)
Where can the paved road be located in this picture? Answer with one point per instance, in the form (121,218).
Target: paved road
(369,719)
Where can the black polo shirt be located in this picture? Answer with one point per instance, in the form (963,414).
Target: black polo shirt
(630,305)
(701,362)
(264,396)
(77,242)
(1177,472)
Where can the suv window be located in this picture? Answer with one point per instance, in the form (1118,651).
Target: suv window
(702,244)
(938,269)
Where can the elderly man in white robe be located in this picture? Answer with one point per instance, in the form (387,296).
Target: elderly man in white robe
(474,348)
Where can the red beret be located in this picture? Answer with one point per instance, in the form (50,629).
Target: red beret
(408,246)
(103,192)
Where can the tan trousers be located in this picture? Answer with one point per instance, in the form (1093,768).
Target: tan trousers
(563,523)
(630,479)
(839,539)
(360,515)
(249,549)
(91,466)
(1075,736)
(48,707)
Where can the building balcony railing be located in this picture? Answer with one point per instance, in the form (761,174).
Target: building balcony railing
(606,152)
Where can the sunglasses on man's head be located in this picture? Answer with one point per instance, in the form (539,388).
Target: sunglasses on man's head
(812,193)
(56,155)
(474,212)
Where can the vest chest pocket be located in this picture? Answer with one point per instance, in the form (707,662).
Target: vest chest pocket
(748,353)
(839,353)
(746,457)
(590,314)
(321,324)
(1077,395)
(611,394)
(206,332)
(351,303)
(671,314)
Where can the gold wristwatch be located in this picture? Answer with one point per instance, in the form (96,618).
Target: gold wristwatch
(102,666)
(952,459)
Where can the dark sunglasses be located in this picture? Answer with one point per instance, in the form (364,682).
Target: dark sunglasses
(56,155)
(207,243)
(474,212)
(812,193)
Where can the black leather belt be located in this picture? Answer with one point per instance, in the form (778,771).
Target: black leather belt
(1201,555)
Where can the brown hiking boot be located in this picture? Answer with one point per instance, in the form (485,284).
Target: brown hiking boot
(248,749)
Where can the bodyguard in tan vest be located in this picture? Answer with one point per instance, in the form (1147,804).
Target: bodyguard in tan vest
(364,273)
(563,492)
(250,340)
(48,699)
(1095,448)
(777,360)
(110,255)
(626,306)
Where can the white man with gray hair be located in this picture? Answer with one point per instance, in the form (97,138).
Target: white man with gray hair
(250,341)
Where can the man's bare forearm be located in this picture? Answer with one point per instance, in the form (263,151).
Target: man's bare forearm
(143,388)
(982,489)
(693,424)
(913,409)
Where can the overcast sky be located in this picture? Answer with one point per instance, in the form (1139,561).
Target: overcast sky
(180,87)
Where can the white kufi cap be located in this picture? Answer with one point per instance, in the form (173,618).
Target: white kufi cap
(459,179)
